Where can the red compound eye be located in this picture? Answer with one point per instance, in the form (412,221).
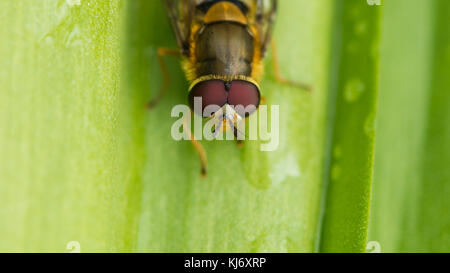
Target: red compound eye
(244,96)
(212,92)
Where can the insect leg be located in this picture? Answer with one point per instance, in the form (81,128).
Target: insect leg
(279,78)
(198,147)
(162,52)
(239,143)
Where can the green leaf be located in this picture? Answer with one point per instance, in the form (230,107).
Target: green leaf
(60,170)
(351,130)
(411,181)
(251,201)
(83,160)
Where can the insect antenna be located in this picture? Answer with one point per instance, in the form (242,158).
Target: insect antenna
(217,128)
(236,130)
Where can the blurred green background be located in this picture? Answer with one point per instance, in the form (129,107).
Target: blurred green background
(362,163)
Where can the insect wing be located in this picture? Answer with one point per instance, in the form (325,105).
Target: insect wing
(181,13)
(262,14)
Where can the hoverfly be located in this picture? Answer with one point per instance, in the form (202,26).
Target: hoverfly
(222,44)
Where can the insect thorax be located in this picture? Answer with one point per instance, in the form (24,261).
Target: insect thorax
(224,48)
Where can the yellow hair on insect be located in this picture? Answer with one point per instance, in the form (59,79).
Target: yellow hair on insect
(188,64)
(257,64)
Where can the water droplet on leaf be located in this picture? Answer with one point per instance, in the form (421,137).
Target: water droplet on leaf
(353,90)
